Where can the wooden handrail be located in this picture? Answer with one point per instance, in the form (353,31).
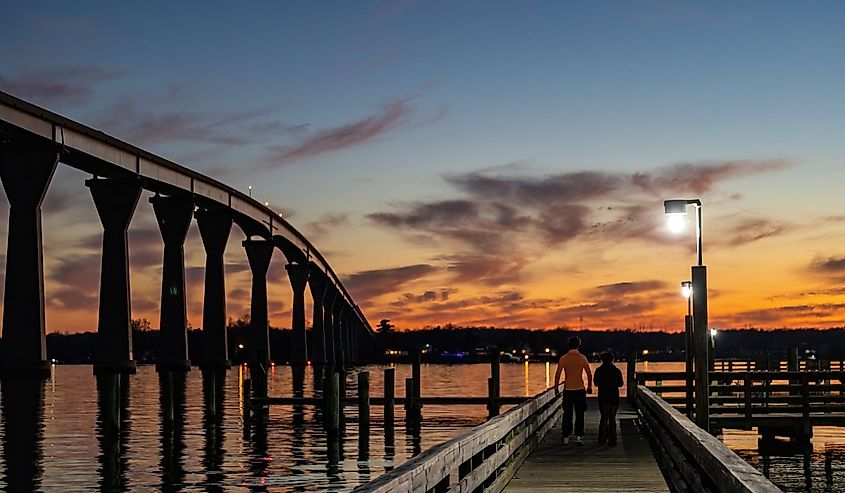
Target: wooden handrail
(488,454)
(702,455)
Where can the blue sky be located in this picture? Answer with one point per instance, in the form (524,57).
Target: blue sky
(337,112)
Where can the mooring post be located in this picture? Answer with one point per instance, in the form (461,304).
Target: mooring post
(416,374)
(805,405)
(631,381)
(493,384)
(389,392)
(412,416)
(246,402)
(333,405)
(364,403)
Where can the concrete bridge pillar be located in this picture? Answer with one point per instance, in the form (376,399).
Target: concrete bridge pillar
(298,275)
(25,175)
(214,226)
(328,322)
(338,332)
(116,200)
(174,215)
(259,253)
(317,284)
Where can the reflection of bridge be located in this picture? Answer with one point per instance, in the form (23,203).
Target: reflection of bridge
(32,143)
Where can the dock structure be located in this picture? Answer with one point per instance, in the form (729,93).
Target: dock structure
(659,449)
(629,466)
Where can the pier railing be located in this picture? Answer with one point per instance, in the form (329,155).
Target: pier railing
(486,456)
(692,459)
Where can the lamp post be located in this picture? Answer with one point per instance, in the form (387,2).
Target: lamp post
(686,292)
(675,210)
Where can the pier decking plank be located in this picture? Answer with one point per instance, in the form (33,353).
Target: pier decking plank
(630,466)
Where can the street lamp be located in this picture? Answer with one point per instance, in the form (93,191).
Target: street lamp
(686,289)
(698,336)
(250,191)
(675,210)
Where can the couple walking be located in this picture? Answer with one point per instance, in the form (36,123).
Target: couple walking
(608,379)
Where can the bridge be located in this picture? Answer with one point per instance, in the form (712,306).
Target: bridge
(33,141)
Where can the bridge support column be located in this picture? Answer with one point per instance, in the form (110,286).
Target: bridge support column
(259,253)
(174,215)
(337,331)
(298,275)
(701,336)
(317,284)
(116,200)
(25,176)
(328,322)
(214,226)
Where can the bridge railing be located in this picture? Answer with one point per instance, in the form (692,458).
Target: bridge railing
(486,456)
(694,460)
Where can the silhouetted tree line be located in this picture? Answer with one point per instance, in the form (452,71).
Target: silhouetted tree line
(79,347)
(744,343)
(748,343)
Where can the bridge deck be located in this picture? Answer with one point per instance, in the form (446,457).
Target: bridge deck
(630,466)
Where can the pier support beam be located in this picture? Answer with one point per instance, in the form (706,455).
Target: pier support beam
(25,176)
(174,216)
(259,253)
(701,337)
(317,284)
(215,226)
(116,200)
(298,275)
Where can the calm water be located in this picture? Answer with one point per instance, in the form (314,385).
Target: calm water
(56,438)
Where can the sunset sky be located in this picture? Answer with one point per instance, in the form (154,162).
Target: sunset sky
(467,162)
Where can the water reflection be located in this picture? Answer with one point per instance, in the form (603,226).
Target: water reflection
(172,413)
(23,406)
(214,397)
(113,426)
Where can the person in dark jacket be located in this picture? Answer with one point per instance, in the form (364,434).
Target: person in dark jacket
(608,379)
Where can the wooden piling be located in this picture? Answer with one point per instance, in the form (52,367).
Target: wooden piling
(389,391)
(416,375)
(332,390)
(631,380)
(246,402)
(492,400)
(364,402)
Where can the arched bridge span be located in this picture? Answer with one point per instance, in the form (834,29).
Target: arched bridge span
(33,141)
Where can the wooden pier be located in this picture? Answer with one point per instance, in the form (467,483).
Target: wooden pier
(629,466)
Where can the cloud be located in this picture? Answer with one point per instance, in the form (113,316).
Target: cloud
(828,265)
(167,118)
(389,117)
(751,230)
(326,223)
(491,270)
(628,288)
(68,84)
(366,285)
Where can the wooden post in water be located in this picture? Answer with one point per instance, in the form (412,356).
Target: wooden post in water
(416,374)
(493,384)
(332,390)
(411,416)
(631,381)
(389,393)
(364,403)
(792,365)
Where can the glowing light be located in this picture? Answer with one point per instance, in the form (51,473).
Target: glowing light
(240,346)
(713,332)
(676,222)
(686,289)
(526,357)
(548,350)
(645,352)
